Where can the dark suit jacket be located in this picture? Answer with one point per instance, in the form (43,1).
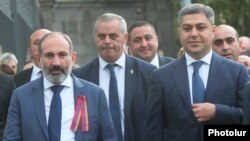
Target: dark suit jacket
(6,88)
(23,77)
(246,105)
(27,119)
(136,84)
(165,60)
(169,105)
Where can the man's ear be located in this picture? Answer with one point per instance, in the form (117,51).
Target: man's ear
(74,57)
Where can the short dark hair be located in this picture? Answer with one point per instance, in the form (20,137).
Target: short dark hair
(197,8)
(65,36)
(140,24)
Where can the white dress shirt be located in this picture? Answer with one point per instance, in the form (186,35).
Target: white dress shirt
(120,76)
(68,106)
(203,71)
(36,73)
(155,61)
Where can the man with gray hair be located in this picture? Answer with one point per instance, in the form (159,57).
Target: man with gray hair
(124,78)
(197,88)
(9,59)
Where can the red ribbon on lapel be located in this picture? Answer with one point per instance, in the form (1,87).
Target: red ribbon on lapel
(81,115)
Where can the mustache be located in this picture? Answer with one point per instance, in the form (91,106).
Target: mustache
(56,68)
(107,47)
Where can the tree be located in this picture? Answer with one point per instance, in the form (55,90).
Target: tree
(232,12)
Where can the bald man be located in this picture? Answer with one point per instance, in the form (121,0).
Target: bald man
(226,42)
(35,71)
(245,60)
(244,44)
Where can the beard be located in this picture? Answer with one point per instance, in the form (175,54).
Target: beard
(56,78)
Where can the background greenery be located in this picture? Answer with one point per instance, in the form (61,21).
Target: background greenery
(232,12)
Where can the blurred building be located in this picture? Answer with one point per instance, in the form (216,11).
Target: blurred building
(18,18)
(76,18)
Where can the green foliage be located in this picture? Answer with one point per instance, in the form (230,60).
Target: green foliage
(232,12)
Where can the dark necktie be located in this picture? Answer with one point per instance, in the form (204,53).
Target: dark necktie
(198,85)
(55,114)
(114,105)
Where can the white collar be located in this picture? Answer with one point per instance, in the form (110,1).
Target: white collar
(68,82)
(206,59)
(120,62)
(35,69)
(155,61)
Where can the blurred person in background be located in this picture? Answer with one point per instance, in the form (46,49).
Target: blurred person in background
(6,87)
(226,42)
(9,59)
(180,52)
(245,60)
(34,72)
(244,44)
(5,69)
(143,43)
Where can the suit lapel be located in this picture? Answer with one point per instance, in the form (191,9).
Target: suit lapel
(27,75)
(93,72)
(215,73)
(37,96)
(24,77)
(78,90)
(130,76)
(181,78)
(161,61)
(77,87)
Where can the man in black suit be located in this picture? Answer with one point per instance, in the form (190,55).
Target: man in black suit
(6,88)
(143,43)
(34,72)
(131,73)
